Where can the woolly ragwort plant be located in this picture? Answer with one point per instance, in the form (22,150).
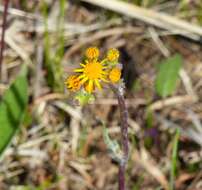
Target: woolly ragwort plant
(95,74)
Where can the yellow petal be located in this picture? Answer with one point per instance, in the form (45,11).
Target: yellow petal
(78,70)
(105,80)
(104,72)
(97,83)
(90,86)
(83,65)
(81,76)
(84,80)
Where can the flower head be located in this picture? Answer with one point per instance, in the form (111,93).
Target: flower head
(92,53)
(94,73)
(115,74)
(73,83)
(91,74)
(113,55)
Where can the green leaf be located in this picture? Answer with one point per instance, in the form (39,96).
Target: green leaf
(167,76)
(113,147)
(12,109)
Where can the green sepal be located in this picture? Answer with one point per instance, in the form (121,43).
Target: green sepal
(84,97)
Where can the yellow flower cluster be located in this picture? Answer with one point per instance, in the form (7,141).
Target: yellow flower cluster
(92,53)
(73,83)
(113,55)
(93,71)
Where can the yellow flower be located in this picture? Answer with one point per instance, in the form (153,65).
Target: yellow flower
(113,55)
(115,75)
(73,83)
(92,53)
(91,74)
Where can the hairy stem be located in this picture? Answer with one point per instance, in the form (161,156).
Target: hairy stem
(122,177)
(6,2)
(124,135)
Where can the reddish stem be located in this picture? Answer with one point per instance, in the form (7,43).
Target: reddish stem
(6,2)
(124,136)
(124,124)
(122,177)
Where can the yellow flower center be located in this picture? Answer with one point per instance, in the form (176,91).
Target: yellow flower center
(92,73)
(93,70)
(92,53)
(115,75)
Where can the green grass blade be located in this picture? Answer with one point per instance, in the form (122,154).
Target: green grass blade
(174,160)
(54,55)
(12,109)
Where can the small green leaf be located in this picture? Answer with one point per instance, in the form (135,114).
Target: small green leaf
(113,147)
(12,108)
(167,76)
